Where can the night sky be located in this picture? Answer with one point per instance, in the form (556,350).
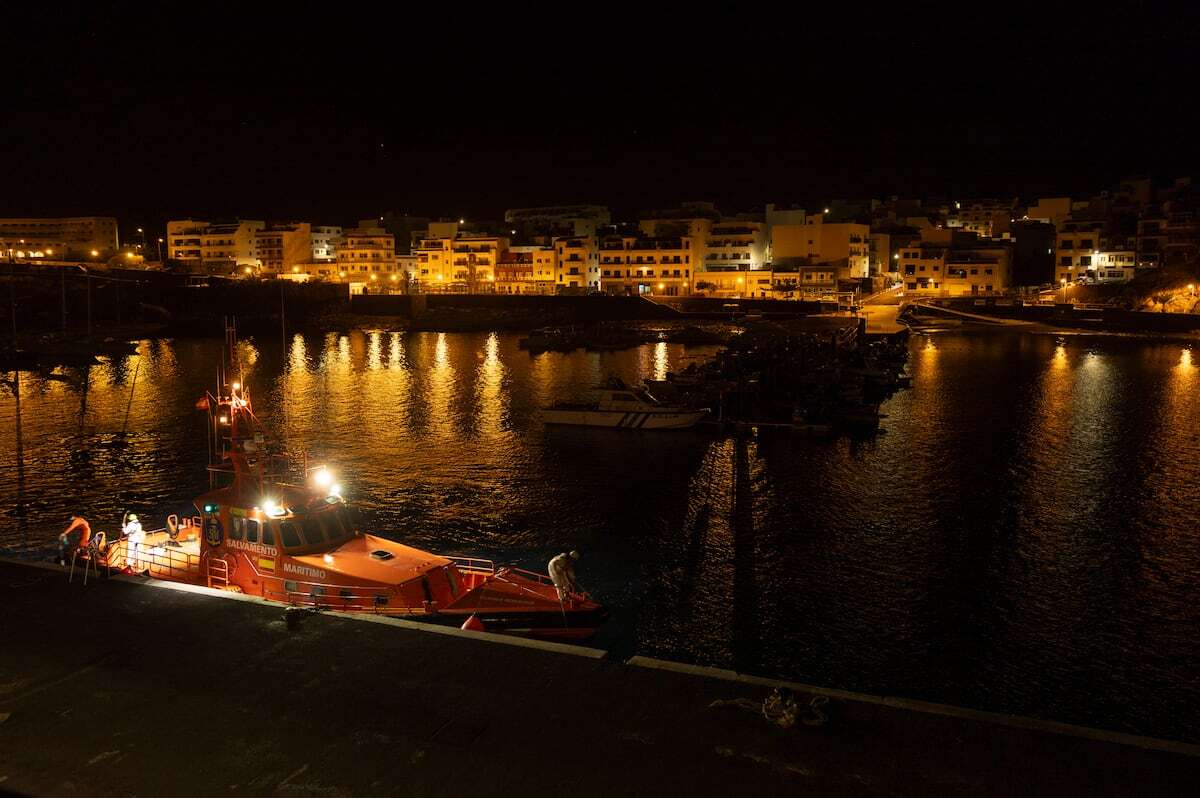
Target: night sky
(331,113)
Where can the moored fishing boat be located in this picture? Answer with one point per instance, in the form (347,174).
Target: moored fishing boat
(620,406)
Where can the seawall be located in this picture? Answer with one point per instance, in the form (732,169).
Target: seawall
(133,686)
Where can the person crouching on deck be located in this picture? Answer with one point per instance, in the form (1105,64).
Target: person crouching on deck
(562,573)
(75,536)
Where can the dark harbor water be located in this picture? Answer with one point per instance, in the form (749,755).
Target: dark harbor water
(1024,538)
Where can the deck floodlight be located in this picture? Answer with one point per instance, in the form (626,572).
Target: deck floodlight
(323,477)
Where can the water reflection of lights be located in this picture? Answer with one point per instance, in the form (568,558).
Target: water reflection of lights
(395,352)
(660,360)
(374,360)
(489,390)
(1185,360)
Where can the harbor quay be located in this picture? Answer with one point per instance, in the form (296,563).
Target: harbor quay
(133,686)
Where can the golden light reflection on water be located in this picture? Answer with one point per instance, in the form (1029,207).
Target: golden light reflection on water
(396,359)
(660,360)
(440,382)
(374,358)
(1052,416)
(489,388)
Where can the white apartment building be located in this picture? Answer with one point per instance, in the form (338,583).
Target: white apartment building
(324,242)
(736,245)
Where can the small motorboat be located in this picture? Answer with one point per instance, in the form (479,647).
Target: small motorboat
(628,408)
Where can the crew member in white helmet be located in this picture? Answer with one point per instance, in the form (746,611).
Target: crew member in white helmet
(562,573)
(135,536)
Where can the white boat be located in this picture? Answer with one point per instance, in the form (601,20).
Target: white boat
(625,407)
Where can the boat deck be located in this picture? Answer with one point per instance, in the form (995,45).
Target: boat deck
(158,557)
(95,681)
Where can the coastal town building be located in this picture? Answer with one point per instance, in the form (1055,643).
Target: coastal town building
(73,237)
(639,264)
(955,263)
(846,244)
(986,218)
(1092,250)
(515,272)
(283,249)
(226,248)
(813,282)
(568,220)
(577,264)
(473,268)
(366,254)
(219,248)
(325,240)
(735,246)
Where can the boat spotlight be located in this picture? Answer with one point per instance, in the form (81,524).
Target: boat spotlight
(328,559)
(335,490)
(323,477)
(272,509)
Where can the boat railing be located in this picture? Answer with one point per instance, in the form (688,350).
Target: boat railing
(162,561)
(473,564)
(533,575)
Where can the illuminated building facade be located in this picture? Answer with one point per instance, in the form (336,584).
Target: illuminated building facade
(73,237)
(816,242)
(642,264)
(366,254)
(284,249)
(577,264)
(736,246)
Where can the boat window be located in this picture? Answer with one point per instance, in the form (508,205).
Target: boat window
(289,534)
(335,524)
(268,532)
(312,530)
(236,530)
(251,531)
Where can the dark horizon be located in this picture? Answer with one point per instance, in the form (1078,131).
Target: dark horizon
(149,114)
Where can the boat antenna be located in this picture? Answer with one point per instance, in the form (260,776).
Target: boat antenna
(137,367)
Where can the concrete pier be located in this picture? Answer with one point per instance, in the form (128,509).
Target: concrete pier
(134,687)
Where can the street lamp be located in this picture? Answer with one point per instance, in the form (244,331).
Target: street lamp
(160,243)
(1063,281)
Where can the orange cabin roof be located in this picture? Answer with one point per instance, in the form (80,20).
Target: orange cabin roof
(353,558)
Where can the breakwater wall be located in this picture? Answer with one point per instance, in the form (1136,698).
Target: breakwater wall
(553,309)
(40,297)
(1084,317)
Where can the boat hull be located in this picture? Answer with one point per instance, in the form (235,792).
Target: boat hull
(624,419)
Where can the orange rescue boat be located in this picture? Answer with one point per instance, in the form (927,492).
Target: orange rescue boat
(258,534)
